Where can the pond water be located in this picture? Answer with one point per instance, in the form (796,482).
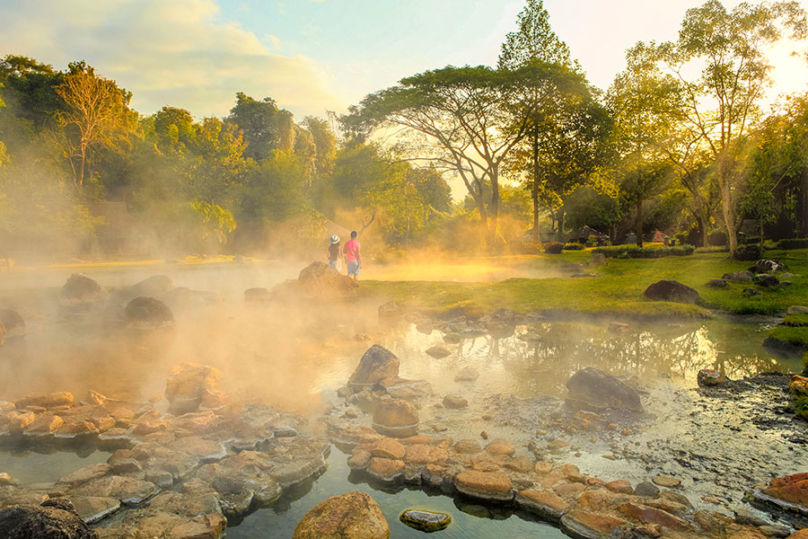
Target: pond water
(469,521)
(31,467)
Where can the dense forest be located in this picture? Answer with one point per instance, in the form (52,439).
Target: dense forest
(539,151)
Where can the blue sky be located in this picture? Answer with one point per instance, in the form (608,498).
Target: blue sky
(316,55)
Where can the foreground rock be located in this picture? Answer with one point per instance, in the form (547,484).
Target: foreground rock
(396,417)
(192,387)
(789,492)
(593,389)
(377,364)
(710,378)
(767,266)
(671,291)
(322,281)
(426,521)
(353,515)
(81,293)
(147,313)
(54,519)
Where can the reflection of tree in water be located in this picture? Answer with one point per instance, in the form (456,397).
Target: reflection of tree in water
(542,357)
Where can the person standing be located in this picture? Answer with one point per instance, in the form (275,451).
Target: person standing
(334,252)
(352,255)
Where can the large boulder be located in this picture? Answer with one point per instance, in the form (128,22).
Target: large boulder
(13,323)
(397,418)
(666,290)
(738,277)
(593,389)
(354,515)
(321,280)
(82,293)
(155,285)
(767,266)
(192,386)
(54,519)
(377,364)
(147,313)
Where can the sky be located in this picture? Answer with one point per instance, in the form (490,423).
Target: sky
(312,56)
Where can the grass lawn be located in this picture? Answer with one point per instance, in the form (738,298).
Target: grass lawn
(618,290)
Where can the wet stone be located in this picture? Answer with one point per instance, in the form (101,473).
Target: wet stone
(455,402)
(665,481)
(438,352)
(546,505)
(353,515)
(492,486)
(427,521)
(620,486)
(467,446)
(468,374)
(389,449)
(94,509)
(387,470)
(646,489)
(582,524)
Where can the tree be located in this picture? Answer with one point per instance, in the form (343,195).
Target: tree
(464,120)
(97,115)
(721,103)
(265,127)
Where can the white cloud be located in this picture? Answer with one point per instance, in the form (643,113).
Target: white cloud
(178,53)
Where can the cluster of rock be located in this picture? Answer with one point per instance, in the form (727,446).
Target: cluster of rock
(172,475)
(761,274)
(317,281)
(584,507)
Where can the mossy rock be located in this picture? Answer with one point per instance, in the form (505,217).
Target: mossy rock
(427,521)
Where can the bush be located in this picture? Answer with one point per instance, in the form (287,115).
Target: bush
(632,251)
(573,247)
(748,252)
(747,240)
(553,248)
(793,243)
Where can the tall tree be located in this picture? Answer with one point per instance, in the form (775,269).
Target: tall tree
(727,49)
(97,115)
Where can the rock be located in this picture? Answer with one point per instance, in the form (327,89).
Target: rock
(81,293)
(319,280)
(6,480)
(438,351)
(770,530)
(44,425)
(426,521)
(717,283)
(797,309)
(401,388)
(93,509)
(147,313)
(386,470)
(84,475)
(360,459)
(424,327)
(377,363)
(666,481)
(454,402)
(767,266)
(789,492)
(13,323)
(153,286)
(621,486)
(583,524)
(468,374)
(594,389)
(52,400)
(354,515)
(390,312)
(54,519)
(396,418)
(257,295)
(389,449)
(19,421)
(597,260)
(547,505)
(738,277)
(485,485)
(650,515)
(767,280)
(500,447)
(190,384)
(750,292)
(710,378)
(666,290)
(646,489)
(467,446)
(128,490)
(452,338)
(425,454)
(798,386)
(743,516)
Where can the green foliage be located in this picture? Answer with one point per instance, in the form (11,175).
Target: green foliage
(796,337)
(573,247)
(796,320)
(793,243)
(632,251)
(748,252)
(553,247)
(801,406)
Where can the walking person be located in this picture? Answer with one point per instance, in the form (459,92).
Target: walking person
(335,253)
(353,257)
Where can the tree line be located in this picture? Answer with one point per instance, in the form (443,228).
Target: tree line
(679,142)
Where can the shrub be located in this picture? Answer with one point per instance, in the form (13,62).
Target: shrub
(796,320)
(553,248)
(746,240)
(573,247)
(748,252)
(632,251)
(793,243)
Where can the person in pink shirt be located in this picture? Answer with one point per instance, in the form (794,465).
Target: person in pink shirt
(352,256)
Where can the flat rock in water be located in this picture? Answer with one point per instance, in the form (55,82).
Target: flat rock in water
(455,402)
(423,520)
(666,481)
(396,418)
(438,352)
(666,290)
(148,313)
(354,515)
(592,388)
(468,374)
(493,486)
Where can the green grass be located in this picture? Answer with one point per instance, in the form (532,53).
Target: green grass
(618,290)
(796,320)
(796,337)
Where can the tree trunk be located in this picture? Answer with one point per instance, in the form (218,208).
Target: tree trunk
(727,205)
(561,224)
(638,227)
(535,193)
